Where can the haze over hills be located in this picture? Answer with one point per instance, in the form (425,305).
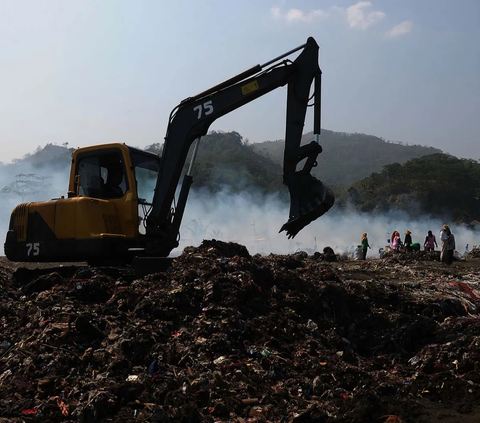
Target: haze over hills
(347,158)
(228,159)
(366,173)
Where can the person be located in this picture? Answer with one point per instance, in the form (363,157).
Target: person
(381,251)
(451,246)
(430,242)
(112,189)
(408,240)
(365,245)
(444,240)
(396,241)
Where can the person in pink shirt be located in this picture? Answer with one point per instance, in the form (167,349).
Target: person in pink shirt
(396,241)
(430,242)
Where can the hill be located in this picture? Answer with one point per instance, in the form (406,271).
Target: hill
(223,160)
(51,156)
(439,185)
(226,159)
(348,158)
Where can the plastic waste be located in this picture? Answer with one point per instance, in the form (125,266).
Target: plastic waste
(153,368)
(358,253)
(219,360)
(311,324)
(5,344)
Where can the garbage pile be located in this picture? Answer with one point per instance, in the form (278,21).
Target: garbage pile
(412,255)
(475,253)
(226,337)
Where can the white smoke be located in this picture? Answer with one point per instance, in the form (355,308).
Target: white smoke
(254,221)
(22,182)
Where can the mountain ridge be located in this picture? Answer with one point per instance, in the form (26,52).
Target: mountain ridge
(347,157)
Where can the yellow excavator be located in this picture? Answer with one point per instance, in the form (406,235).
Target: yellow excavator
(121,203)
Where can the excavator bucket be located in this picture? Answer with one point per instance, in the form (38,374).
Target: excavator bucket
(309,199)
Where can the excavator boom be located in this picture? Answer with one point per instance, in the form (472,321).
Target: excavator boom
(193,116)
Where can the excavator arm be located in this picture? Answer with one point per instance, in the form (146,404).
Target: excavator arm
(191,119)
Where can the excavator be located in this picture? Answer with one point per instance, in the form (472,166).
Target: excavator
(123,203)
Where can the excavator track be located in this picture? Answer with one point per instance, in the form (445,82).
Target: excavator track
(24,275)
(139,268)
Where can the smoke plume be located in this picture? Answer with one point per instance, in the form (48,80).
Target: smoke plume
(248,218)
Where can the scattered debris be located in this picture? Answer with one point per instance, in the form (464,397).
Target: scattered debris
(223,336)
(475,253)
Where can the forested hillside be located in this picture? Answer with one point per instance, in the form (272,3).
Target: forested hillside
(225,159)
(438,185)
(51,156)
(348,158)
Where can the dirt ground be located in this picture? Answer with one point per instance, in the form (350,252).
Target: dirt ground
(224,336)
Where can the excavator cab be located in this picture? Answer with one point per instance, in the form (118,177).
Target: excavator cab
(99,221)
(102,176)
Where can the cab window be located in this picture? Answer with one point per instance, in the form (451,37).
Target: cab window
(102,176)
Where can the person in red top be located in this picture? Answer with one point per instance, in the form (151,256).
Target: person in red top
(430,242)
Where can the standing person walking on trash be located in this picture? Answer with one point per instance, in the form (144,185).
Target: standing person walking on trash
(444,240)
(365,245)
(408,240)
(451,246)
(430,242)
(396,241)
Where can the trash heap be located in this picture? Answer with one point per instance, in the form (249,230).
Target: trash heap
(226,337)
(412,255)
(475,253)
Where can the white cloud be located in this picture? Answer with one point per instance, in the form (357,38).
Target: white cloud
(357,18)
(297,15)
(402,28)
(276,12)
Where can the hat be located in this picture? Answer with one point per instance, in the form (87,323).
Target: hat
(445,227)
(407,232)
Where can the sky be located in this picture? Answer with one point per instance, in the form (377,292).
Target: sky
(88,72)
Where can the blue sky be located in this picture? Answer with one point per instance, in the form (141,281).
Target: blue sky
(88,72)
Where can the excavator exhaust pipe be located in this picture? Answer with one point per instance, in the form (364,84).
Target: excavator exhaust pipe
(309,199)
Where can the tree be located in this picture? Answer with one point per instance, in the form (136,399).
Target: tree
(155,148)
